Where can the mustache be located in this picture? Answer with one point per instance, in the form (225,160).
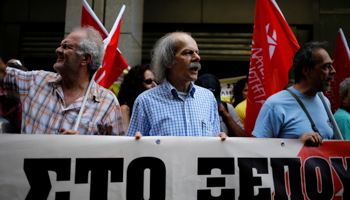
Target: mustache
(195,65)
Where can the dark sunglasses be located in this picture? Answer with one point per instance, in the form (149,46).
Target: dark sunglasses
(148,81)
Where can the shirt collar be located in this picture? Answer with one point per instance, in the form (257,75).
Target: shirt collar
(94,94)
(172,90)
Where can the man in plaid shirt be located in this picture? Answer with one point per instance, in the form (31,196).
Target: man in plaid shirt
(176,107)
(51,101)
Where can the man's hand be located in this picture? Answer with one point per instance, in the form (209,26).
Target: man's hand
(222,135)
(223,111)
(138,135)
(312,139)
(69,132)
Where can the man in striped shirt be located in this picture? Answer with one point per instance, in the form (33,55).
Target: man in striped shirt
(51,101)
(176,107)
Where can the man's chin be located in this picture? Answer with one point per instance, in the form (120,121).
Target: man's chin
(326,88)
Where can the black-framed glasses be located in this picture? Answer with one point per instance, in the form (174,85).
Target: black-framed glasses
(148,81)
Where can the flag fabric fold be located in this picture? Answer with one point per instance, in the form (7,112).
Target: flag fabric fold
(341,64)
(113,62)
(89,18)
(273,49)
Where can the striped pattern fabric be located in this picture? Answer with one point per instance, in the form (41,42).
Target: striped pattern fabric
(161,111)
(44,111)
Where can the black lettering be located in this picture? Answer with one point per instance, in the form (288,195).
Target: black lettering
(37,174)
(99,168)
(135,178)
(294,178)
(311,178)
(343,174)
(227,166)
(247,181)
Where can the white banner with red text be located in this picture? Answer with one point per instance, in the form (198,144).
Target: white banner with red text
(61,167)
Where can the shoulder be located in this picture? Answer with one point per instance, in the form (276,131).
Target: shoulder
(125,108)
(202,92)
(341,114)
(106,95)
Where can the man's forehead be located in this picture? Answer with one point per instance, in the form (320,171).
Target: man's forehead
(77,36)
(185,41)
(321,55)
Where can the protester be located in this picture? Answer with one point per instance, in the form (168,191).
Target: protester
(282,117)
(11,108)
(51,101)
(176,107)
(139,79)
(229,120)
(239,92)
(342,115)
(239,98)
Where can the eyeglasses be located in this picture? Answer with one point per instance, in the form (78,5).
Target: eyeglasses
(148,81)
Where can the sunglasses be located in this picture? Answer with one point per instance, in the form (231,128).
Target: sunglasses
(148,81)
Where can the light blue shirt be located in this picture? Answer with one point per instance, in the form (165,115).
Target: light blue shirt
(282,117)
(342,117)
(161,111)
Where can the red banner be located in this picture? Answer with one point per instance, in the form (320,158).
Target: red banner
(273,49)
(341,64)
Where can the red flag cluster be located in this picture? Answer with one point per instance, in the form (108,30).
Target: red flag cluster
(273,49)
(113,62)
(341,64)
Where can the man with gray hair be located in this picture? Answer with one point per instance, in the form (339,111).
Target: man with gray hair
(342,116)
(176,107)
(51,101)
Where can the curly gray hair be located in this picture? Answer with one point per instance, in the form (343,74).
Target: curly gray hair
(343,87)
(163,55)
(91,44)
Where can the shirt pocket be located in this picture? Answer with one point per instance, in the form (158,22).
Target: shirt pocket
(207,128)
(86,126)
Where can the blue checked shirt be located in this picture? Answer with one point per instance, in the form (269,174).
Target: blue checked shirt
(160,111)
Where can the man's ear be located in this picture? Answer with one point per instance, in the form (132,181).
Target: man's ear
(306,71)
(87,58)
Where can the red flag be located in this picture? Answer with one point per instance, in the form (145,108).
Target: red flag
(273,49)
(341,64)
(113,62)
(89,18)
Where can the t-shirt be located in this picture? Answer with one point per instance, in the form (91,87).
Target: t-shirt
(282,117)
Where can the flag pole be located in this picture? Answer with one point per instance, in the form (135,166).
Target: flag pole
(77,122)
(84,102)
(331,117)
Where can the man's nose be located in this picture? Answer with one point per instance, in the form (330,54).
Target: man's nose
(332,71)
(58,50)
(196,57)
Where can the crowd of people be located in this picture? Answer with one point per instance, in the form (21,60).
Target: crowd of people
(166,97)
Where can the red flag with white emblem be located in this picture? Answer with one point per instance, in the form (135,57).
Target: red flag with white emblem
(273,49)
(113,62)
(341,64)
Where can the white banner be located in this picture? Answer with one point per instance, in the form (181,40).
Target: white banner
(180,168)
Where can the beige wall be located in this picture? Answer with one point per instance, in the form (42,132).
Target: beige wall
(107,11)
